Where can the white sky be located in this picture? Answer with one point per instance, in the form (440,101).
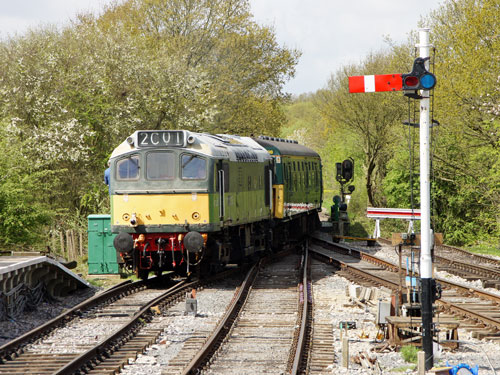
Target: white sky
(329,33)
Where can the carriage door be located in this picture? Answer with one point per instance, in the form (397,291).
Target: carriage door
(222,186)
(268,185)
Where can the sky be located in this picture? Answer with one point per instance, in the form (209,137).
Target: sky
(329,33)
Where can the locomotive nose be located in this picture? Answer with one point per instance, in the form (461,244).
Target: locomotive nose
(193,242)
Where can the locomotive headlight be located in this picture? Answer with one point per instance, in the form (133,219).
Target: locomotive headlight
(196,216)
(133,220)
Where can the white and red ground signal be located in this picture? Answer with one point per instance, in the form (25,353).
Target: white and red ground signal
(392,213)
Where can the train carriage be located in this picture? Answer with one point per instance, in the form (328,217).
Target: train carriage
(181,199)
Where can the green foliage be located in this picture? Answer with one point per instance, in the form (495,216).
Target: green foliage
(467,179)
(371,118)
(465,147)
(409,353)
(69,96)
(484,248)
(23,213)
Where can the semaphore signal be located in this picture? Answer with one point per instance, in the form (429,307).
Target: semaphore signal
(375,83)
(418,79)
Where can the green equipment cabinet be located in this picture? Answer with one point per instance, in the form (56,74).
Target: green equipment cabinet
(102,254)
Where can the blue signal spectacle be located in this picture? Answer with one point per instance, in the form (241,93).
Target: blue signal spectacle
(427,81)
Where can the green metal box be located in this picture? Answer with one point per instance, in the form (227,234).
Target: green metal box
(102,254)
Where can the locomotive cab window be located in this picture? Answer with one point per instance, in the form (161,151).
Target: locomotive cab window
(128,169)
(160,166)
(193,167)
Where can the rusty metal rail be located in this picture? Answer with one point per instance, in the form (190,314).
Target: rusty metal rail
(466,313)
(14,347)
(224,326)
(477,257)
(299,356)
(111,344)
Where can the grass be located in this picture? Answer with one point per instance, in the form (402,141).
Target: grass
(485,249)
(82,270)
(404,369)
(409,353)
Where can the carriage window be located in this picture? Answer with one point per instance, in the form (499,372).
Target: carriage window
(128,169)
(193,167)
(160,166)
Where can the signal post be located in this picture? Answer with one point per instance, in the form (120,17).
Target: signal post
(419,79)
(425,209)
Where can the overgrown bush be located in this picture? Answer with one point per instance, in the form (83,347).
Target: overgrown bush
(409,353)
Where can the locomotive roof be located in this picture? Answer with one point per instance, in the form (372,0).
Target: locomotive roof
(285,146)
(232,147)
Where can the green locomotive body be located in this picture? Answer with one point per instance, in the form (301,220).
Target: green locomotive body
(180,199)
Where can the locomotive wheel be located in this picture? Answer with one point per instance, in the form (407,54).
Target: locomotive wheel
(142,274)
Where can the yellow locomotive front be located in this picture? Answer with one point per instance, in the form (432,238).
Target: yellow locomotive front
(160,191)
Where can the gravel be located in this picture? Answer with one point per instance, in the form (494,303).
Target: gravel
(177,327)
(47,310)
(471,351)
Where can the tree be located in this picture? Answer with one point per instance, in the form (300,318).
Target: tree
(69,96)
(242,61)
(372,117)
(467,101)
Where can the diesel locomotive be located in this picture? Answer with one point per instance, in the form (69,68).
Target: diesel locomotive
(182,200)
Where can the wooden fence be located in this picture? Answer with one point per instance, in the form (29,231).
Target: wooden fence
(72,243)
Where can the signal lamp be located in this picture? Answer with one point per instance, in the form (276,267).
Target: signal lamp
(411,81)
(419,78)
(428,81)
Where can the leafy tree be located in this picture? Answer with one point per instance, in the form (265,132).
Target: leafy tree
(24,214)
(69,96)
(371,117)
(242,61)
(467,177)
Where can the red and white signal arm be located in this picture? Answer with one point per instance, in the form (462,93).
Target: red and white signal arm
(375,83)
(392,213)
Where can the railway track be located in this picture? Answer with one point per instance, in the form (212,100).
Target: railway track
(280,323)
(15,347)
(477,310)
(320,351)
(463,263)
(265,329)
(97,337)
